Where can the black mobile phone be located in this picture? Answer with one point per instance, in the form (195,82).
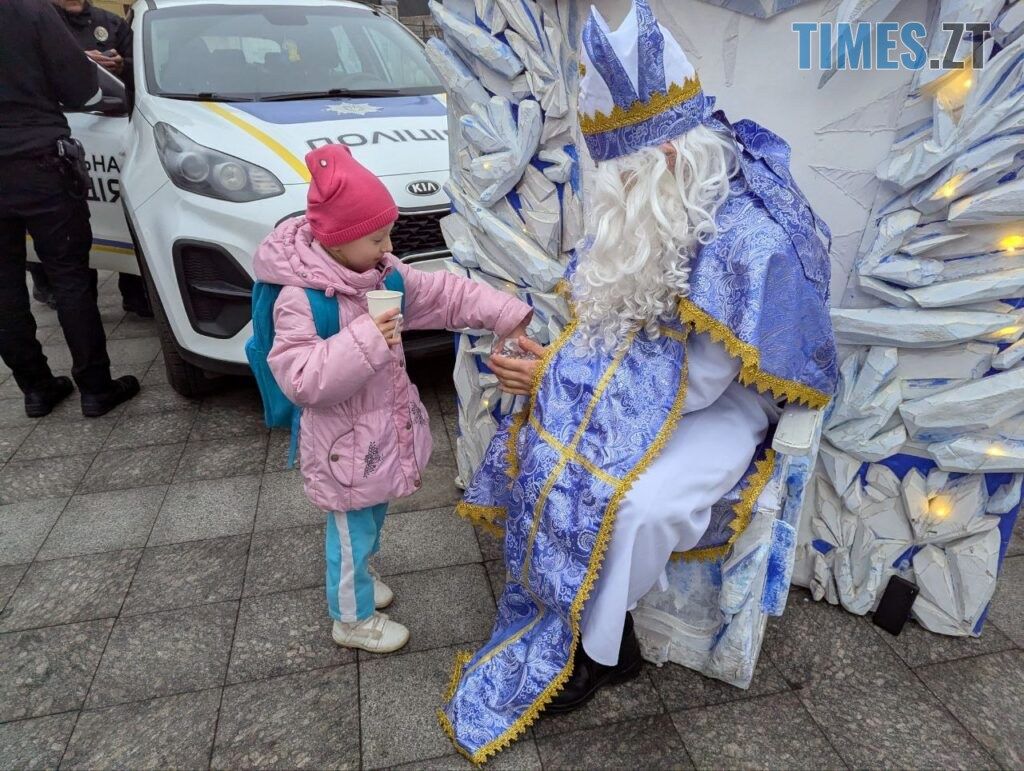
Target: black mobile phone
(894,608)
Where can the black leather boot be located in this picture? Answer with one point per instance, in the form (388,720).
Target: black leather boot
(588,677)
(121,390)
(42,401)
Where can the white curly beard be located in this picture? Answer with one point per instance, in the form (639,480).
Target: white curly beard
(647,221)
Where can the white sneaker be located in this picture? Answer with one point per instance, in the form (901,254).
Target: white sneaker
(382,594)
(377,634)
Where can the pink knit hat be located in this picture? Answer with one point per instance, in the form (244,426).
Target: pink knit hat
(345,201)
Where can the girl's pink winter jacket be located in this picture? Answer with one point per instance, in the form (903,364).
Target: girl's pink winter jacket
(365,436)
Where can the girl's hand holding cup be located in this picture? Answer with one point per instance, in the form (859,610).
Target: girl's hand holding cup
(390,325)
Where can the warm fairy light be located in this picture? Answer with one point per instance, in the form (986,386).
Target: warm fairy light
(1008,331)
(939,507)
(995,451)
(948,190)
(951,90)
(1012,243)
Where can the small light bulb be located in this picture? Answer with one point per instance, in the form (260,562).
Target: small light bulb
(995,451)
(939,507)
(1012,243)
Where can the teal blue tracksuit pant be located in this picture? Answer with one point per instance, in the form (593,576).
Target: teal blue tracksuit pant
(352,538)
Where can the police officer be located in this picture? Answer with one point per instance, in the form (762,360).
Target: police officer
(42,191)
(106,38)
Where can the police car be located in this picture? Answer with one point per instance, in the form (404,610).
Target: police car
(229,97)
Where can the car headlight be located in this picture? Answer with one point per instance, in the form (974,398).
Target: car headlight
(209,172)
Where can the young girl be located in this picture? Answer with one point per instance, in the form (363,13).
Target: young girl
(365,436)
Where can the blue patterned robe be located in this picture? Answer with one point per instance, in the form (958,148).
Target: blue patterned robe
(555,474)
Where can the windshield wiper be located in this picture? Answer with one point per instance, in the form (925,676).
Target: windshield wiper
(207,96)
(330,94)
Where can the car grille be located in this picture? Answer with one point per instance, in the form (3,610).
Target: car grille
(415,234)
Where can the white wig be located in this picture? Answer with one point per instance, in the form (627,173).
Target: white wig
(647,221)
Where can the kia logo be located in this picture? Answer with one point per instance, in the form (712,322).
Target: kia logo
(423,187)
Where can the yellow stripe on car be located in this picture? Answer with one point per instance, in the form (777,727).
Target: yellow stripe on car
(280,150)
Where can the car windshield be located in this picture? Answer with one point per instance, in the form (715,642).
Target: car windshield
(235,52)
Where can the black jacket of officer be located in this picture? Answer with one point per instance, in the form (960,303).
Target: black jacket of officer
(97,29)
(40,69)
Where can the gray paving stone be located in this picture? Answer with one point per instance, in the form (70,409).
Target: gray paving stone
(156,375)
(132,326)
(1007,611)
(67,437)
(186,574)
(277,451)
(817,641)
(438,490)
(10,577)
(24,526)
(986,694)
(68,590)
(12,412)
(212,508)
(491,546)
(399,698)
(521,756)
(97,522)
(628,701)
(141,350)
(43,671)
(684,688)
(890,721)
(650,743)
(446,606)
(160,654)
(497,576)
(1016,545)
(768,732)
(232,414)
(136,467)
(283,503)
(159,399)
(305,720)
(11,439)
(280,560)
(447,398)
(918,647)
(283,633)
(426,539)
(35,744)
(152,428)
(171,732)
(45,478)
(222,458)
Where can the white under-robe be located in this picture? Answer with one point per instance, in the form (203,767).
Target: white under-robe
(669,507)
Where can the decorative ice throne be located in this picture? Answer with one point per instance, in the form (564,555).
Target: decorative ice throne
(510,71)
(712,616)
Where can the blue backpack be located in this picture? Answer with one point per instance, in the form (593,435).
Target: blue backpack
(278,411)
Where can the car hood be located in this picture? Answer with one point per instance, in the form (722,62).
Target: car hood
(391,136)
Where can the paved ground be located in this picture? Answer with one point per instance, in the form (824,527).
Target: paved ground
(162,606)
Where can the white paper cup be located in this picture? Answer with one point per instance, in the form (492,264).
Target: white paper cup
(383,300)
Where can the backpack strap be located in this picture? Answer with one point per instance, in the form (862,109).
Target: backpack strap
(325,313)
(394,281)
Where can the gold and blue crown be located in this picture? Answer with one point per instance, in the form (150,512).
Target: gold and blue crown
(637,88)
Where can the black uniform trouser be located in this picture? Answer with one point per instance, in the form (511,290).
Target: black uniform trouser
(34,197)
(132,287)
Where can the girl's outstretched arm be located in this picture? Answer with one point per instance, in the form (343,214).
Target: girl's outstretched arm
(442,300)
